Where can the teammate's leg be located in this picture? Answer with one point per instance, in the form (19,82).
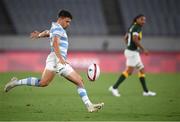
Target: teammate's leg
(47,77)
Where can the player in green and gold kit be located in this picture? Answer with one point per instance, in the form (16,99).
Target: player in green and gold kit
(133,59)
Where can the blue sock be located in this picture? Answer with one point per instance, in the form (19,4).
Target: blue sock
(83,94)
(31,81)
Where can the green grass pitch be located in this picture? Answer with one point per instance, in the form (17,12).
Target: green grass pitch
(60,101)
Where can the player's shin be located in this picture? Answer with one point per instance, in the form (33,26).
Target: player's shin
(143,81)
(83,94)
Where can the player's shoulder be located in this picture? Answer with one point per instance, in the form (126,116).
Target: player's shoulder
(56,27)
(57,30)
(135,28)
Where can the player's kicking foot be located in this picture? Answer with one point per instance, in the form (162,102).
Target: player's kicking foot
(11,84)
(95,107)
(149,93)
(114,92)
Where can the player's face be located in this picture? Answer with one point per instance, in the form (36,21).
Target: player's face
(141,21)
(65,22)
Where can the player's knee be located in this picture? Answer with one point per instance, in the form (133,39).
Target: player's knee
(127,73)
(44,84)
(142,70)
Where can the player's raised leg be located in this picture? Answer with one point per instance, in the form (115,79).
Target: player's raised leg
(47,77)
(75,78)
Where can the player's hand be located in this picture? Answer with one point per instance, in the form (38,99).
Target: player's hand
(146,52)
(35,35)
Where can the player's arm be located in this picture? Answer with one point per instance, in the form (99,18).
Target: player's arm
(37,34)
(126,38)
(56,42)
(138,44)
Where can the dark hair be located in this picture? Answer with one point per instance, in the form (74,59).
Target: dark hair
(64,13)
(137,17)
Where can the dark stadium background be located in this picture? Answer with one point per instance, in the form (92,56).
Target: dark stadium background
(95,34)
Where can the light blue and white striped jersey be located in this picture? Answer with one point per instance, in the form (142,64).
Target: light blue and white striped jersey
(57,30)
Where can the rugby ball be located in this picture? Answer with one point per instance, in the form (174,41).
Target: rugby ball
(93,72)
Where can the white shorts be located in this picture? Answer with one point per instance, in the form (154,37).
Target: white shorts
(133,59)
(52,63)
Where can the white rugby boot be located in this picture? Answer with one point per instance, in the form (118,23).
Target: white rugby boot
(11,84)
(149,93)
(95,107)
(114,92)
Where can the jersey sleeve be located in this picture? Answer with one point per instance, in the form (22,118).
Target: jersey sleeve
(135,34)
(135,31)
(57,32)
